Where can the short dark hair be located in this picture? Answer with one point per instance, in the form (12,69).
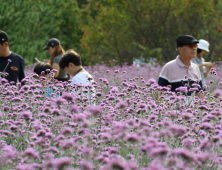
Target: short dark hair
(199,51)
(70,57)
(40,67)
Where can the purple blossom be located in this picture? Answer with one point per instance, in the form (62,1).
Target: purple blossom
(95,110)
(31,153)
(158,151)
(184,153)
(74,109)
(85,164)
(61,163)
(187,115)
(182,89)
(150,81)
(203,107)
(188,143)
(59,101)
(217,93)
(26,115)
(204,144)
(131,137)
(206,126)
(9,152)
(178,130)
(121,105)
(67,96)
(114,90)
(66,130)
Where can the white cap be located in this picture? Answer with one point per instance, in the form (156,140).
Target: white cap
(203,45)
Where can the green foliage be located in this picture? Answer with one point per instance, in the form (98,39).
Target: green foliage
(121,27)
(30,24)
(103,30)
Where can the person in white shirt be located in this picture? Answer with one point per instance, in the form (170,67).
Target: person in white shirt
(71,63)
(205,67)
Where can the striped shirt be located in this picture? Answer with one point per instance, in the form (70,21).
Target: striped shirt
(174,72)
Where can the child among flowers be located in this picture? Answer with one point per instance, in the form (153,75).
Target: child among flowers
(45,74)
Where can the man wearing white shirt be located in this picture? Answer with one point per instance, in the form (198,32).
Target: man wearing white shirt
(71,63)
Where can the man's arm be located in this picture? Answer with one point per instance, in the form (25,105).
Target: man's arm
(209,65)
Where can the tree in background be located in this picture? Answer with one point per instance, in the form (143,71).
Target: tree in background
(30,24)
(124,29)
(103,30)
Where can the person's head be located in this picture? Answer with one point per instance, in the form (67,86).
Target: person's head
(70,62)
(4,45)
(203,47)
(42,67)
(187,46)
(54,47)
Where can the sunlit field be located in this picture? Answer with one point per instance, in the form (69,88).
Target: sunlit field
(121,126)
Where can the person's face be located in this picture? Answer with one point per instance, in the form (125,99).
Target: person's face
(3,48)
(189,51)
(69,69)
(51,50)
(202,53)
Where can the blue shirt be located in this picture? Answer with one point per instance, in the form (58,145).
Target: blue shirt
(198,61)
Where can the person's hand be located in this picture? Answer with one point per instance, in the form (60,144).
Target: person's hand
(200,95)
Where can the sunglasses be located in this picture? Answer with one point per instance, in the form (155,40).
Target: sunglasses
(191,46)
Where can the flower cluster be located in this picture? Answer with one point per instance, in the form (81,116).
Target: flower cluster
(124,127)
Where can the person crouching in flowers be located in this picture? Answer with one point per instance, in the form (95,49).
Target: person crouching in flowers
(45,74)
(71,63)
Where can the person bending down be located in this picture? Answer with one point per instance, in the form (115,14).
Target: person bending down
(44,70)
(71,63)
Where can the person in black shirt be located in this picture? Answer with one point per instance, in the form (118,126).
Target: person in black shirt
(10,62)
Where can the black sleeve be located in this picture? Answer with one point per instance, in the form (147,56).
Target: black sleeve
(201,85)
(163,82)
(22,70)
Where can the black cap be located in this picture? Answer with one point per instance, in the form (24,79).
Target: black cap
(186,40)
(52,42)
(3,37)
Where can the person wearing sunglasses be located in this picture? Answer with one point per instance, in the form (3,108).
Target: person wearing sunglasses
(181,72)
(202,48)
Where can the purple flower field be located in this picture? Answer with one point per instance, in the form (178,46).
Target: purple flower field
(124,128)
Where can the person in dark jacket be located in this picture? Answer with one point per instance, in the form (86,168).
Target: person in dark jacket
(12,65)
